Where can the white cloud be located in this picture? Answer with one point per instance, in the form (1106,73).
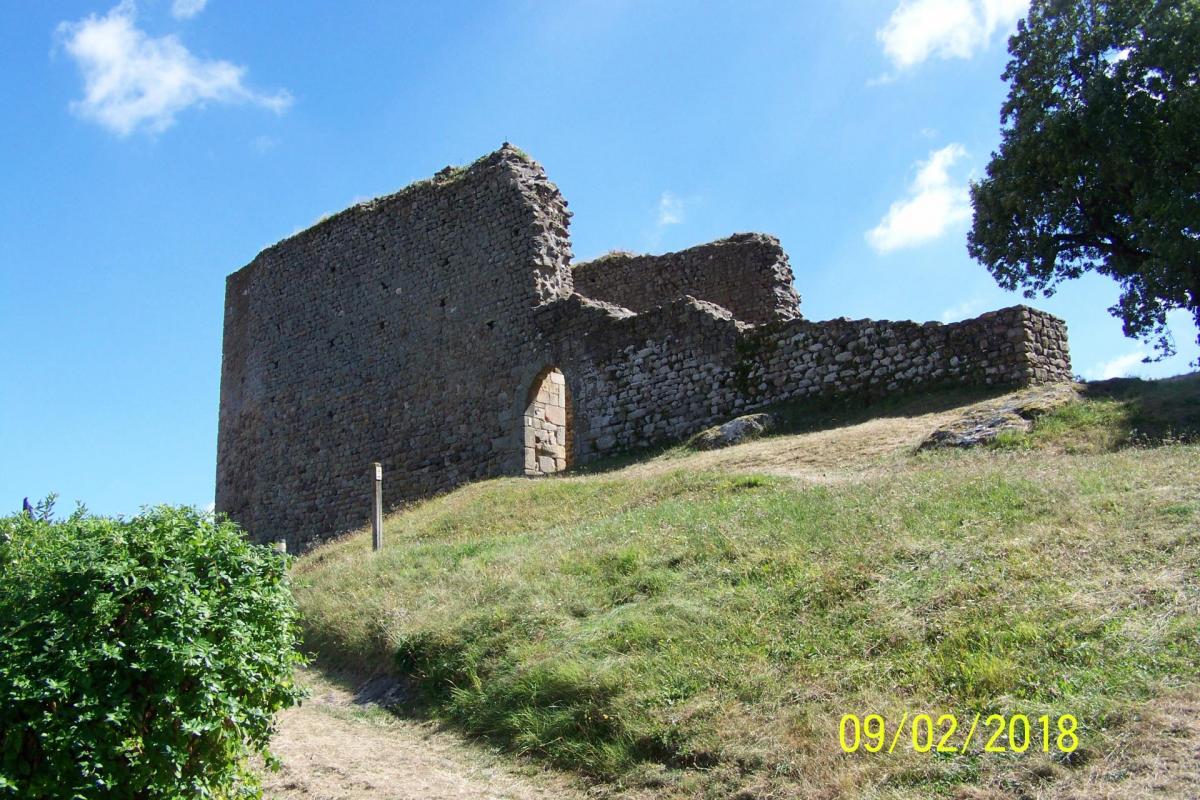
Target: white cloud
(961,311)
(933,205)
(133,81)
(670,210)
(919,29)
(264,143)
(1119,367)
(186,9)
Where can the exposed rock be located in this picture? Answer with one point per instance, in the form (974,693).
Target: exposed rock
(740,429)
(1014,414)
(974,430)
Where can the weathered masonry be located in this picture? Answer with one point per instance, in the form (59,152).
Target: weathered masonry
(443,331)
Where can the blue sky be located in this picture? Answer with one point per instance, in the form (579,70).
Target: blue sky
(151,148)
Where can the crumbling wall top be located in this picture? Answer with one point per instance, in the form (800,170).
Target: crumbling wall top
(747,273)
(508,170)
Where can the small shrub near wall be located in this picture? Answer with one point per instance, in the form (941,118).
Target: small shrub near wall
(141,658)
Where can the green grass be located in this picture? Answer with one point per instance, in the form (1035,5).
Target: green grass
(701,634)
(1118,413)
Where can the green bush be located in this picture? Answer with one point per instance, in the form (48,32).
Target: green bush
(140,658)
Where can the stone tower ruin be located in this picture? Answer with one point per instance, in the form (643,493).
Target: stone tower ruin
(443,331)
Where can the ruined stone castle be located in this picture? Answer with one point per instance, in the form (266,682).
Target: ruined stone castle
(444,332)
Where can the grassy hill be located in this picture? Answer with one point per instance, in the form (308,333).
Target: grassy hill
(696,624)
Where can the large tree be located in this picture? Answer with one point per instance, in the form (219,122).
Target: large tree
(1099,164)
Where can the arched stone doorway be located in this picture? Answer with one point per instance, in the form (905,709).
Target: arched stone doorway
(548,424)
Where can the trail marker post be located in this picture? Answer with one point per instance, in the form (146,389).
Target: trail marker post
(377,512)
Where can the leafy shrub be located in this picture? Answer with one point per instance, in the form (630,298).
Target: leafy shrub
(140,658)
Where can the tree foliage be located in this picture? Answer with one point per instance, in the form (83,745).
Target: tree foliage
(1099,163)
(140,658)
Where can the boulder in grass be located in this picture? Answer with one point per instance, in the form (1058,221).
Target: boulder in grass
(1015,413)
(974,431)
(738,430)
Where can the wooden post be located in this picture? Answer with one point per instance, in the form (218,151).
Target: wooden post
(377,513)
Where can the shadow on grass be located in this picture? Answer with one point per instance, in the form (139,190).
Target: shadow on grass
(1115,414)
(1152,412)
(820,414)
(389,690)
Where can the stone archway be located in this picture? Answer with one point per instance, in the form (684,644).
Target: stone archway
(547,422)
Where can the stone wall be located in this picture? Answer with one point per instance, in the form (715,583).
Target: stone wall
(439,331)
(747,274)
(383,334)
(675,370)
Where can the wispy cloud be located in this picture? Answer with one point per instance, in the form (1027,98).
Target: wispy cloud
(921,29)
(1119,367)
(932,206)
(670,210)
(264,143)
(186,9)
(961,311)
(137,82)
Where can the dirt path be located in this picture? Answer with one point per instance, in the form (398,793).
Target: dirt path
(336,747)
